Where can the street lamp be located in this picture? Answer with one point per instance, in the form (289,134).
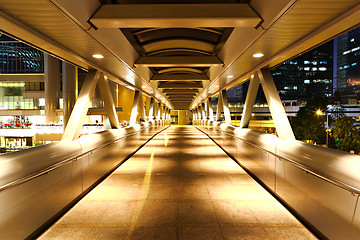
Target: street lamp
(319,113)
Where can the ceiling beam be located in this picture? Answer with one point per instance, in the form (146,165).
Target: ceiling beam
(179,77)
(175,15)
(180,85)
(182,93)
(178,61)
(181,99)
(179,91)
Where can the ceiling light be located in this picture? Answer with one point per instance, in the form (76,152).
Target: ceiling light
(216,86)
(143,86)
(230,76)
(99,56)
(258,55)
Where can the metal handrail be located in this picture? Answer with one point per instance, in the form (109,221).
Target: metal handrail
(59,164)
(303,167)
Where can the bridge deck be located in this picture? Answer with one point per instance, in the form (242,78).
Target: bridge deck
(178,186)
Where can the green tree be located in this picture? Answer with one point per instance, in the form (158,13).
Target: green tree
(346,135)
(309,126)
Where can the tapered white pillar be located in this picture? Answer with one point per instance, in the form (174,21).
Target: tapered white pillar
(52,88)
(226,107)
(70,89)
(138,107)
(108,101)
(250,100)
(203,113)
(277,110)
(219,108)
(78,115)
(210,110)
(151,109)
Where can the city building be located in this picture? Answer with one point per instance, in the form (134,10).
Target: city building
(348,66)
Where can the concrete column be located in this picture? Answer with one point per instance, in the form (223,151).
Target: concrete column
(70,89)
(250,101)
(52,88)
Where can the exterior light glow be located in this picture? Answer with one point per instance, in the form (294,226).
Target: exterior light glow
(99,56)
(258,55)
(319,112)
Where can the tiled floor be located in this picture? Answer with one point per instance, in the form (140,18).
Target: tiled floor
(179,186)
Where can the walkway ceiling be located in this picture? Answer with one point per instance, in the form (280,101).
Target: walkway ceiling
(179,52)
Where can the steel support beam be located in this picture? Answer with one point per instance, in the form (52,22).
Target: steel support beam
(179,77)
(277,110)
(178,61)
(181,85)
(250,100)
(175,15)
(181,91)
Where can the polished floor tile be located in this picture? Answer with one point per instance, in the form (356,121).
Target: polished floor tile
(180,185)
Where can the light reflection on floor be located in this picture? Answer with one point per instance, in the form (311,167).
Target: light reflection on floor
(179,186)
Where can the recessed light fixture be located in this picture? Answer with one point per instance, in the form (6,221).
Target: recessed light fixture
(99,56)
(143,86)
(258,55)
(216,86)
(229,76)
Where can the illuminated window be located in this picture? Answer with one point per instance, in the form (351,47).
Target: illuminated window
(306,62)
(307,81)
(352,40)
(314,69)
(322,68)
(306,68)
